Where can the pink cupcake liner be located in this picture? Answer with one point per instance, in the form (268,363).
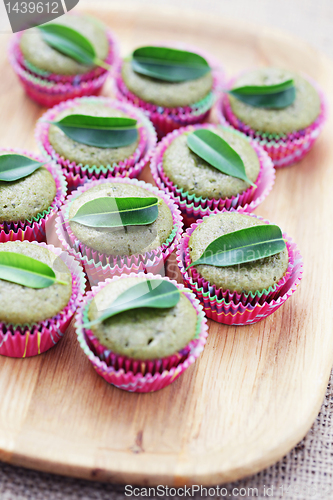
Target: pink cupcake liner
(196,207)
(34,229)
(21,341)
(51,97)
(165,120)
(97,273)
(221,313)
(283,150)
(134,365)
(229,315)
(99,266)
(140,376)
(235,308)
(78,174)
(53,89)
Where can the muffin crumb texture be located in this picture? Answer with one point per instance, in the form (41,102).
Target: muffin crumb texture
(144,333)
(195,176)
(166,94)
(82,154)
(243,278)
(20,305)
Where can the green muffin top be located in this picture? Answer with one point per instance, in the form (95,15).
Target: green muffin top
(297,116)
(195,176)
(166,94)
(249,277)
(25,198)
(127,240)
(21,305)
(82,153)
(38,53)
(145,333)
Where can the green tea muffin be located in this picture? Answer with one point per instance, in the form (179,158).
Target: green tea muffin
(22,305)
(80,153)
(297,116)
(166,94)
(40,55)
(176,86)
(193,175)
(142,333)
(127,240)
(253,276)
(27,197)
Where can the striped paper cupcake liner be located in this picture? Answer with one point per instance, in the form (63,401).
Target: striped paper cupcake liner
(21,341)
(134,375)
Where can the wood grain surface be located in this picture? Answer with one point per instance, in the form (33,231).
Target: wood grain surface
(256,390)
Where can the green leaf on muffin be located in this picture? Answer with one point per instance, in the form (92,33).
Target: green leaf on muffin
(276,96)
(107,212)
(26,271)
(155,293)
(15,166)
(168,64)
(71,43)
(99,131)
(218,153)
(245,245)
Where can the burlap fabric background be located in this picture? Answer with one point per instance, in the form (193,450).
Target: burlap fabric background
(307,471)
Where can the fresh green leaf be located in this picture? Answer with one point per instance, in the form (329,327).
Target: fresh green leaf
(276,96)
(26,271)
(264,89)
(218,153)
(107,212)
(14,167)
(245,245)
(99,131)
(69,42)
(170,65)
(156,293)
(98,122)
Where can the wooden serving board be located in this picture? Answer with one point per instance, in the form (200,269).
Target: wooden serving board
(256,390)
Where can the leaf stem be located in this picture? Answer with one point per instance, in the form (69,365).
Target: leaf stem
(102,64)
(191,265)
(61,282)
